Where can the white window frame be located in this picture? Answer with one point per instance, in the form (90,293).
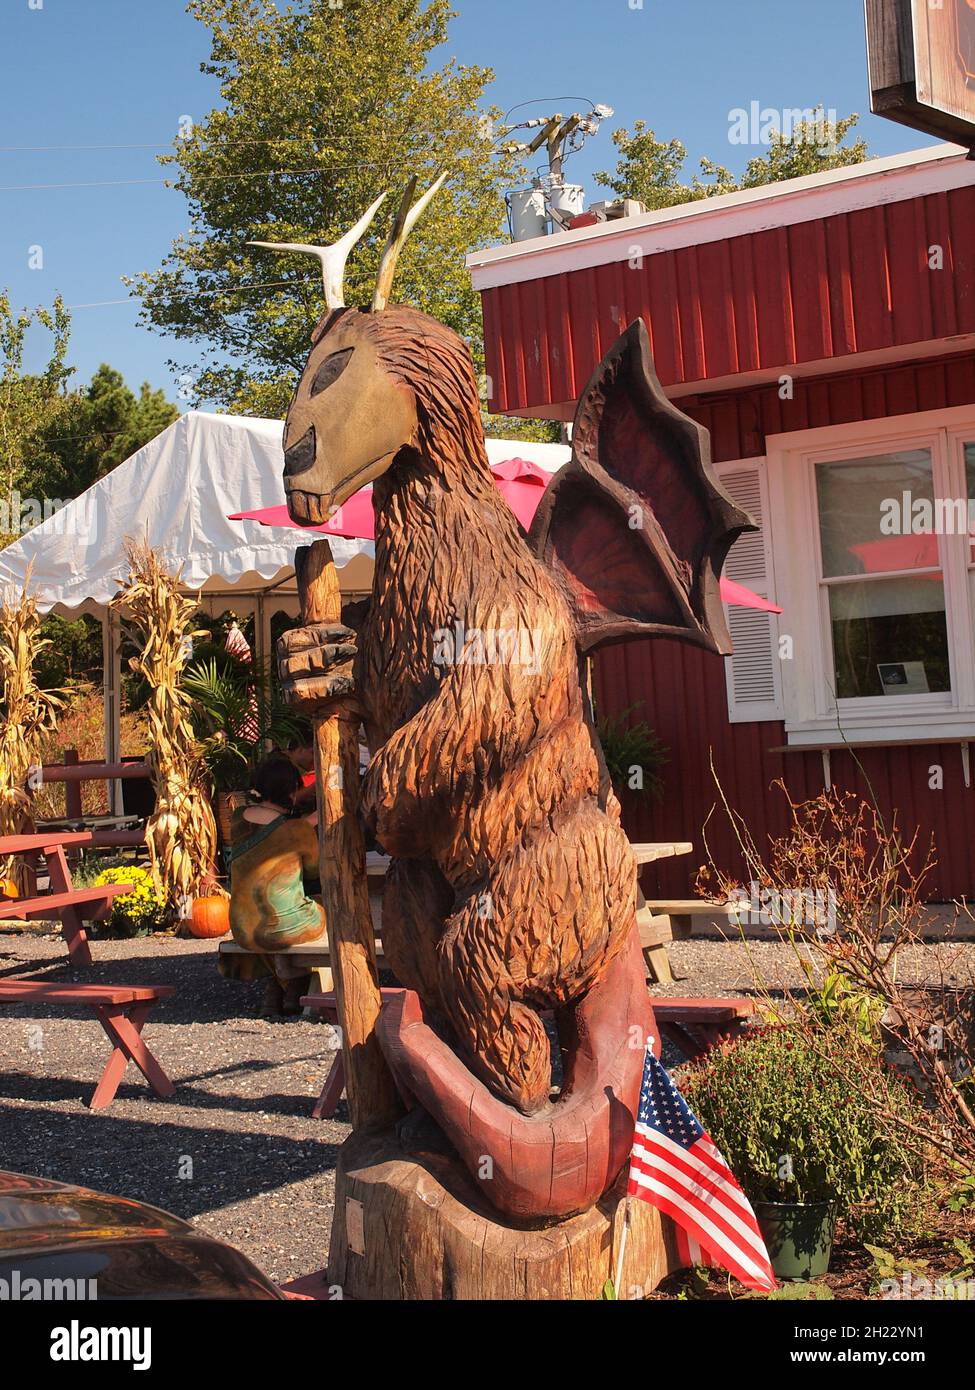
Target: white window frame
(811,713)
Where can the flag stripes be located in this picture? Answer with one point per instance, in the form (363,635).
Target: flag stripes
(677,1168)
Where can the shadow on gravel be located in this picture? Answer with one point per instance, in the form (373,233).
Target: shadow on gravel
(57,1090)
(144,1160)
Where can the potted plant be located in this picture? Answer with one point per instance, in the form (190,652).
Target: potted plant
(138,913)
(633,754)
(785,1109)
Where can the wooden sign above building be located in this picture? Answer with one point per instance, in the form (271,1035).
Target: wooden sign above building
(922,65)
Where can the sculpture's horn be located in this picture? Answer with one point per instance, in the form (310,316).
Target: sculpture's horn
(403,224)
(333,258)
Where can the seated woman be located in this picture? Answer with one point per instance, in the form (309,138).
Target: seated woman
(272,853)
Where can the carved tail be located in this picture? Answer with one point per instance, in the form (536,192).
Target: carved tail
(563,1159)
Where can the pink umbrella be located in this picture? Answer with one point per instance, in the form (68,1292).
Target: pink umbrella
(521,484)
(741,597)
(899,553)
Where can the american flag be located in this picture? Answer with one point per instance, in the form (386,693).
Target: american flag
(237,644)
(676,1167)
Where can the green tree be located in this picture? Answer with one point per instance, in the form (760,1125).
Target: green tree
(522,428)
(649,169)
(32,404)
(106,424)
(811,147)
(55,441)
(652,170)
(75,653)
(324,106)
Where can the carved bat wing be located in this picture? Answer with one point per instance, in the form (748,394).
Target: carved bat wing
(636,527)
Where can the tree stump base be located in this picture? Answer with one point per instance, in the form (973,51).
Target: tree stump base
(411,1225)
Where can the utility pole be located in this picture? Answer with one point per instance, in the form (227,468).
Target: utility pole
(560,135)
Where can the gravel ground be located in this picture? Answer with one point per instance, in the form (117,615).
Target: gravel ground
(236,1150)
(262,1170)
(716,965)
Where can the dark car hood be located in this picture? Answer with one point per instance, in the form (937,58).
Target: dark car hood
(55,1231)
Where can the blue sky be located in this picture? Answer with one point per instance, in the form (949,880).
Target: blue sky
(123,72)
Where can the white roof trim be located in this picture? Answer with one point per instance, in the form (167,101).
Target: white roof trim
(889,180)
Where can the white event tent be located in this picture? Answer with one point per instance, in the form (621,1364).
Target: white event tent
(176,493)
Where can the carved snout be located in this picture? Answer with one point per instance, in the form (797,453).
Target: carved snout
(300,456)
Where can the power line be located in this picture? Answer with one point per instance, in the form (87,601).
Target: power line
(544,101)
(202,178)
(174,149)
(198,294)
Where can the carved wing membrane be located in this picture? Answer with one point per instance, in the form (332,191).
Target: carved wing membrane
(636,527)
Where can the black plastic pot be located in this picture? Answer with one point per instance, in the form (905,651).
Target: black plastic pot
(799,1237)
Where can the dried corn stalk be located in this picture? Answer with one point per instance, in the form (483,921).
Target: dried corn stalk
(181,832)
(28,715)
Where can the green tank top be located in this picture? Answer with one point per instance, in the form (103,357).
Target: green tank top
(269,908)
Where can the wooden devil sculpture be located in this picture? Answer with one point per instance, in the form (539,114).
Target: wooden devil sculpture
(511,890)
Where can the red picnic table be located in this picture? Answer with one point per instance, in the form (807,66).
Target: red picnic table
(121,1010)
(64,901)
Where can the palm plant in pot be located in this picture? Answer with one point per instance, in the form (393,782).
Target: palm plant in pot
(238,714)
(633,754)
(785,1109)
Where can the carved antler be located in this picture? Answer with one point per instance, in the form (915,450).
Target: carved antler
(403,224)
(333,258)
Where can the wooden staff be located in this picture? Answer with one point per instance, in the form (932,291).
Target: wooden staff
(342,867)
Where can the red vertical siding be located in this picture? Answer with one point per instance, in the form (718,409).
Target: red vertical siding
(680,690)
(854,282)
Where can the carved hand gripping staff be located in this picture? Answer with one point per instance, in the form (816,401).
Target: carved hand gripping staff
(511,892)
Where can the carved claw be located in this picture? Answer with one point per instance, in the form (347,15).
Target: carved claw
(315,665)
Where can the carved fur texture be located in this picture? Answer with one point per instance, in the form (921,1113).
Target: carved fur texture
(513,885)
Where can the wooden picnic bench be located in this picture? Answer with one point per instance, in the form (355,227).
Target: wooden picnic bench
(655,932)
(108,832)
(314,956)
(72,906)
(327,1004)
(680,912)
(697,1025)
(122,1011)
(693,1025)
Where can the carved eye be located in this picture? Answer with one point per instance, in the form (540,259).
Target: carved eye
(330,370)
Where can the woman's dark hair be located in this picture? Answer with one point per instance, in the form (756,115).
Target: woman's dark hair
(275,779)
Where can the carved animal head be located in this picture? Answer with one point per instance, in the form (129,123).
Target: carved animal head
(358,403)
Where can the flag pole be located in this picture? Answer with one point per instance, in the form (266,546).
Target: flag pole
(622,1254)
(627,1208)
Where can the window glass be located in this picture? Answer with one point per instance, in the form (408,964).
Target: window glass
(890,637)
(889,634)
(866,507)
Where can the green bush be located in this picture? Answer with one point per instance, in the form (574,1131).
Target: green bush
(633,754)
(792,1122)
(138,913)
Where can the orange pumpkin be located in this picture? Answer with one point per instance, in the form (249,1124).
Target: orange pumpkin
(8,889)
(210,916)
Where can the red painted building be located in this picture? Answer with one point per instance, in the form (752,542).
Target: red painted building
(823,329)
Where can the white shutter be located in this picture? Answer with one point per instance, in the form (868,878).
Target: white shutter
(753,671)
